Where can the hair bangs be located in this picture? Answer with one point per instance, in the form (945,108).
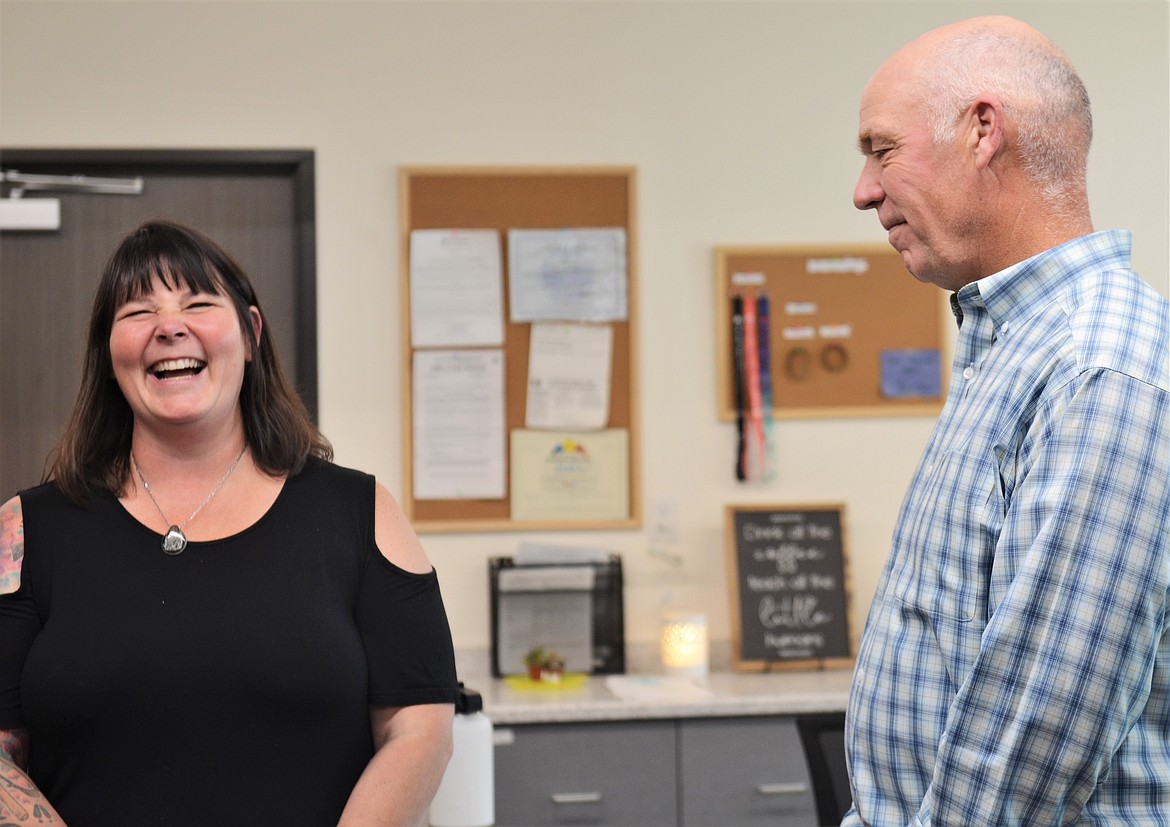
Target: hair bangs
(153,254)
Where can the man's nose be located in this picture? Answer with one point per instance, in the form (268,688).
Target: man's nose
(868,193)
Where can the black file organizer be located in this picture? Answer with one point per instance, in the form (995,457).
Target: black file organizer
(609,631)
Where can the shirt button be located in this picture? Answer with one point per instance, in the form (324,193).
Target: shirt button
(968,372)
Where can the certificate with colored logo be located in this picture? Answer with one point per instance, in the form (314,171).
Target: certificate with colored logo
(570,475)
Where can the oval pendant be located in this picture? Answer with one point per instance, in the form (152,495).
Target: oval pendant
(174,542)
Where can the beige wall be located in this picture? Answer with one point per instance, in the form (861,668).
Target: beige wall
(739,117)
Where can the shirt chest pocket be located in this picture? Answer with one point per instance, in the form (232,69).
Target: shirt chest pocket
(945,541)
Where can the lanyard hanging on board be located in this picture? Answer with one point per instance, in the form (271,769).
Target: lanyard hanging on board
(737,355)
(763,328)
(754,436)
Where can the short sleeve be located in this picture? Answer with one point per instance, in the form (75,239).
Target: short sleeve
(19,626)
(406,636)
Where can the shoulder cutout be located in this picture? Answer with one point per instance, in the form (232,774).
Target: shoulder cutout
(394,536)
(11,545)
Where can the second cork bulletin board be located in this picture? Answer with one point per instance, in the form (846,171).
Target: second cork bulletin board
(852,333)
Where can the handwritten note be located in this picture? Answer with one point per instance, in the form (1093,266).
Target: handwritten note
(911,373)
(568,275)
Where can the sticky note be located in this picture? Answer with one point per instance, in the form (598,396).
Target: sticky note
(911,374)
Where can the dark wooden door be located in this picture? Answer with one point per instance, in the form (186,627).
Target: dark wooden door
(258,205)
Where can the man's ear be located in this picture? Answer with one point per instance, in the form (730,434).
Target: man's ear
(985,128)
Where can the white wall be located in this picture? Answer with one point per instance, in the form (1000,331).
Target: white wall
(740,118)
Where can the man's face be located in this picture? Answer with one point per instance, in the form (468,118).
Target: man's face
(921,190)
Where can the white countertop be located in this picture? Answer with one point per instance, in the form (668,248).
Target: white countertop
(640,697)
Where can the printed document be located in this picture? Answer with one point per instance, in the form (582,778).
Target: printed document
(568,376)
(458,420)
(456,288)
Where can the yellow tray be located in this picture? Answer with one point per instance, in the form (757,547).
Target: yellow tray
(569,680)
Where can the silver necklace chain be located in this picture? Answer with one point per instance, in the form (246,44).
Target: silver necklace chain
(175,540)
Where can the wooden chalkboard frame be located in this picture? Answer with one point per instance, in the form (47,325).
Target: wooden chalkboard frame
(841,592)
(884,307)
(520,197)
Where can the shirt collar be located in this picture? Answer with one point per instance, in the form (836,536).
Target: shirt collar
(1016,293)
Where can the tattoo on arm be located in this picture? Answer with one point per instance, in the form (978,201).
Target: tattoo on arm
(11,545)
(14,748)
(21,803)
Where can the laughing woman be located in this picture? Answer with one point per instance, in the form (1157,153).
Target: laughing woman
(203,620)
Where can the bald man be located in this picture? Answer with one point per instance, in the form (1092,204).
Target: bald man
(1015,666)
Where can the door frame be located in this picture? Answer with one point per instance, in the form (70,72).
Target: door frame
(295,164)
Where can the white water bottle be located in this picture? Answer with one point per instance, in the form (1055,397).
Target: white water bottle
(466,795)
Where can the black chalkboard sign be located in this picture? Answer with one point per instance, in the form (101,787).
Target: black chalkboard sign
(787,571)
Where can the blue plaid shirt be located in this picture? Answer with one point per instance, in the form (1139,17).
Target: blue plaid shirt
(1015,666)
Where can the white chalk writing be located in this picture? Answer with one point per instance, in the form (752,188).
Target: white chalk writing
(796,611)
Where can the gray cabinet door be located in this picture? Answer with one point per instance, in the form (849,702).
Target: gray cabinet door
(744,771)
(591,773)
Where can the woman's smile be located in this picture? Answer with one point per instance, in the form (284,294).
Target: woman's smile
(170,369)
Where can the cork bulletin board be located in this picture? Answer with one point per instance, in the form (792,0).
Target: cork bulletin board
(506,199)
(852,333)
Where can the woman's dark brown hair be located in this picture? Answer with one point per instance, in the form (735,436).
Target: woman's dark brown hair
(93,454)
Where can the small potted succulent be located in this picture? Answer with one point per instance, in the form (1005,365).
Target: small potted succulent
(534,661)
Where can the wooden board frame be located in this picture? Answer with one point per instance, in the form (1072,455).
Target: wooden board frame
(731,549)
(520,197)
(886,309)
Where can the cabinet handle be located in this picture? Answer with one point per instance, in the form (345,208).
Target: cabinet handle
(783,788)
(576,798)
